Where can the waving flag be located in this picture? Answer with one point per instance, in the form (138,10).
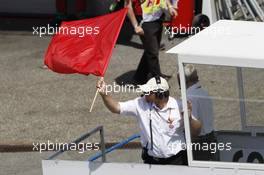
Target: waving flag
(84,46)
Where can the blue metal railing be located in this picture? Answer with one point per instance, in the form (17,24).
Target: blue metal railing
(82,137)
(119,145)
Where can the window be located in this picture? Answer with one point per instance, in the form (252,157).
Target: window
(236,96)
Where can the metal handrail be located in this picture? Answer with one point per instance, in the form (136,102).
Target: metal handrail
(82,137)
(114,147)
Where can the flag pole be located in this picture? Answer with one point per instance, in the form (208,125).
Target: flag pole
(95,96)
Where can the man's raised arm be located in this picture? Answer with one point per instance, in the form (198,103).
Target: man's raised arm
(109,102)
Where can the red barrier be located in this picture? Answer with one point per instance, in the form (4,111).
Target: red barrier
(137,7)
(185,15)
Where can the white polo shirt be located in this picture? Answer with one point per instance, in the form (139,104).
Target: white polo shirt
(202,107)
(168,134)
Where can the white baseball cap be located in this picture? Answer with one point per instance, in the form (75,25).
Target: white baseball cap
(154,84)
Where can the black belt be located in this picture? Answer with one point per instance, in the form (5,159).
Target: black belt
(179,154)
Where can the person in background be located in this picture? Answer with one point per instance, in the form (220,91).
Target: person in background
(150,31)
(138,13)
(202,107)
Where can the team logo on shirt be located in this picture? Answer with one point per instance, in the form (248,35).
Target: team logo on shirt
(152,6)
(170,121)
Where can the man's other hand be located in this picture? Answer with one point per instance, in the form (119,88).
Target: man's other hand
(173,12)
(139,30)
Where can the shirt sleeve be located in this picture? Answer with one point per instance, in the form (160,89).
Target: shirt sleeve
(195,108)
(195,104)
(128,108)
(179,102)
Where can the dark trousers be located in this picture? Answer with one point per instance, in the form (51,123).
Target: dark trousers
(205,154)
(178,159)
(149,65)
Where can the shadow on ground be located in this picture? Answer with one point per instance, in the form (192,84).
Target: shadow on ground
(126,78)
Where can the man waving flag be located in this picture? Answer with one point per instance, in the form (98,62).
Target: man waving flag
(84,46)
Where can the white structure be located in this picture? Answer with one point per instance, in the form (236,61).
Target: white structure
(225,43)
(209,9)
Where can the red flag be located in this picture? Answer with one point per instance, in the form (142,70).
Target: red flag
(85,46)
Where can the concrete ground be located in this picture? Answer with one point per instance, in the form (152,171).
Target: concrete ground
(37,105)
